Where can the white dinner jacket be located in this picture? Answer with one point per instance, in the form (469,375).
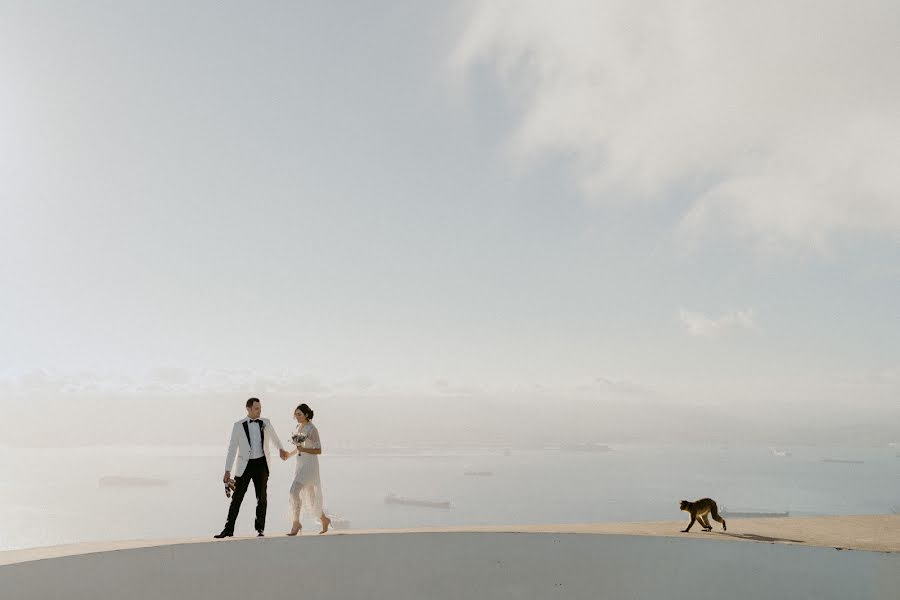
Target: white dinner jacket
(240,446)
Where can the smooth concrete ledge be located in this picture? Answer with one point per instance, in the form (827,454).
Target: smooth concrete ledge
(642,560)
(876,533)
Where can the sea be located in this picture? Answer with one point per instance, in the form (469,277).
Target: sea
(51,496)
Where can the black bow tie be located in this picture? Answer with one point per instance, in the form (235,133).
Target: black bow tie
(260,421)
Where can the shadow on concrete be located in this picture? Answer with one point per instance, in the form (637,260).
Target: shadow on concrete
(760,538)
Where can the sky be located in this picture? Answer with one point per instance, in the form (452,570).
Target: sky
(695,201)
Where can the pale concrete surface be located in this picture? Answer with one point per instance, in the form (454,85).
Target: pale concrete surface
(878,533)
(456,565)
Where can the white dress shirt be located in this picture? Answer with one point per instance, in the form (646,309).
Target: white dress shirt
(256,447)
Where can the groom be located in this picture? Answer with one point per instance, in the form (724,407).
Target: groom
(248,441)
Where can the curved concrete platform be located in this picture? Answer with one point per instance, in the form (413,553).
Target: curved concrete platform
(572,561)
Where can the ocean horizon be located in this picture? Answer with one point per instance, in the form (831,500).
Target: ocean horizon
(54,496)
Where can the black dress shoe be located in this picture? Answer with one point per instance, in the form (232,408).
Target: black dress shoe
(224,534)
(259,533)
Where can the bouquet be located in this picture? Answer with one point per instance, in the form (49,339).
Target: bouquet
(229,488)
(298,438)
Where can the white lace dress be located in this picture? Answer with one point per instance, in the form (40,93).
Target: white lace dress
(306,491)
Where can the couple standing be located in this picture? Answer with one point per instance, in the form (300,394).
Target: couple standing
(250,441)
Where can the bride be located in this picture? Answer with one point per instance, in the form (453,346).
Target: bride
(306,491)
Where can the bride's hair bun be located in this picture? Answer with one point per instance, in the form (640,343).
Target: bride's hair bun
(306,410)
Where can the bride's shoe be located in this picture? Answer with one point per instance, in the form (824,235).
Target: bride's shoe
(326,522)
(295,529)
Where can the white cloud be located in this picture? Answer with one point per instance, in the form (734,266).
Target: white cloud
(701,325)
(170,376)
(442,386)
(781,117)
(620,385)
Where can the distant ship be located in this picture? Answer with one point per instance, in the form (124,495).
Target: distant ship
(120,481)
(753,514)
(395,499)
(584,447)
(781,453)
(843,461)
(338,522)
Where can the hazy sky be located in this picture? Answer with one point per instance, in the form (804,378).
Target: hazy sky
(701,198)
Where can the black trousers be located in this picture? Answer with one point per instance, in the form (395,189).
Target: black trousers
(257,471)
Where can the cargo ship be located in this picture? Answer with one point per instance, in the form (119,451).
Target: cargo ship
(395,499)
